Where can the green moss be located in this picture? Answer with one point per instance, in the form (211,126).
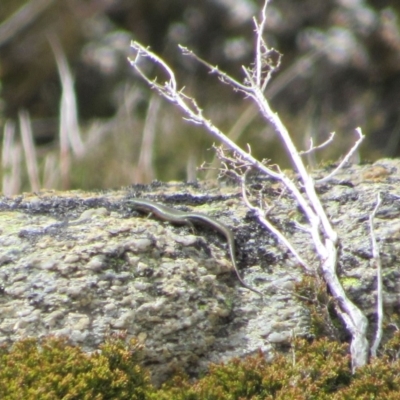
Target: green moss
(317,370)
(349,283)
(53,369)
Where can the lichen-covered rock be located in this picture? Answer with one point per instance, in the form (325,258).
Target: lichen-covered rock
(85,265)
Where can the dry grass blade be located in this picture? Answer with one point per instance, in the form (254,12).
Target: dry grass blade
(22,18)
(144,171)
(69,126)
(29,150)
(10,161)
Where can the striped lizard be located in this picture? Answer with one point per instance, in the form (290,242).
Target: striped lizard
(187,218)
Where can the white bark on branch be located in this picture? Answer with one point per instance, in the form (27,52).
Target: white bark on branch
(324,236)
(376,259)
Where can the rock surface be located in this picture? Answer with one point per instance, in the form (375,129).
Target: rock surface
(86,265)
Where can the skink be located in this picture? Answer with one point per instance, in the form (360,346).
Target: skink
(187,218)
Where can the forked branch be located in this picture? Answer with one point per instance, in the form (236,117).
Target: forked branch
(324,236)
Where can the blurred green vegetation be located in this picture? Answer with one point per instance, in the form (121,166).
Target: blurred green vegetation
(339,71)
(319,369)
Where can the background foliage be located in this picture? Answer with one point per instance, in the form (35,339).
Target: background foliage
(340,70)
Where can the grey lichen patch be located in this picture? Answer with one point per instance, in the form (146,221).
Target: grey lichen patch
(101,273)
(94,272)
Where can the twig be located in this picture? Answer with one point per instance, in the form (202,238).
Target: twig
(260,213)
(376,260)
(356,145)
(313,148)
(260,48)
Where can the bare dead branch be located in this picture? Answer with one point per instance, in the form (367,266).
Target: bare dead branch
(169,92)
(376,260)
(324,236)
